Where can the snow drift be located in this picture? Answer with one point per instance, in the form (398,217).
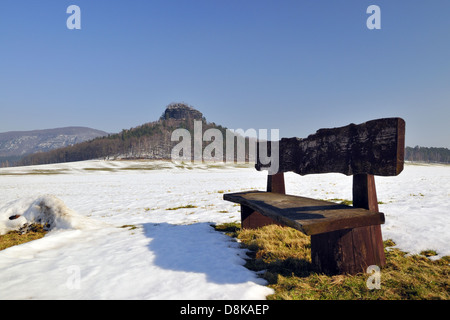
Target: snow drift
(48,210)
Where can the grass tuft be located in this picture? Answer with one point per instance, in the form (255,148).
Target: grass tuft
(13,238)
(189,206)
(428,253)
(129,226)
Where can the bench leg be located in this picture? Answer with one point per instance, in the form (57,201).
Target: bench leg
(275,183)
(348,251)
(365,196)
(251,219)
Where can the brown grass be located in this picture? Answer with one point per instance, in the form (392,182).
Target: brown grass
(283,256)
(14,238)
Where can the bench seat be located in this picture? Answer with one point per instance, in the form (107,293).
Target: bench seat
(310,216)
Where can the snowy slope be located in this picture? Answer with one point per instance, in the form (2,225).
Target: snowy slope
(19,143)
(175,254)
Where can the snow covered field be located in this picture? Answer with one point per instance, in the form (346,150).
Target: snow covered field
(176,254)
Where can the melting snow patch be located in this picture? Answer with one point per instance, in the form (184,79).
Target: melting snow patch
(49,211)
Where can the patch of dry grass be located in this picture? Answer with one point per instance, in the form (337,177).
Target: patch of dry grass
(282,256)
(189,206)
(13,238)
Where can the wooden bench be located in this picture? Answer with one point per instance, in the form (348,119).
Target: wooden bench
(344,239)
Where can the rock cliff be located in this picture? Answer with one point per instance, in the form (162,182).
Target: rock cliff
(181,111)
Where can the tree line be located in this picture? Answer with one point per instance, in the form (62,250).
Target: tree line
(427,154)
(148,141)
(153,141)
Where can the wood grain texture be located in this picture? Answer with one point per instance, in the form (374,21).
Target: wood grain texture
(352,250)
(375,147)
(251,219)
(348,251)
(275,183)
(310,216)
(365,196)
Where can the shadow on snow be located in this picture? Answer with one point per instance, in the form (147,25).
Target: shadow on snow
(198,248)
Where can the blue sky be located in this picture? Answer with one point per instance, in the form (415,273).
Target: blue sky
(293,65)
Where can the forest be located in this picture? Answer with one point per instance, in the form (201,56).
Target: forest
(148,141)
(427,154)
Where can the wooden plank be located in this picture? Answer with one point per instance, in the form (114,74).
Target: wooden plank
(375,147)
(364,192)
(332,252)
(378,247)
(351,250)
(308,215)
(345,251)
(275,183)
(369,249)
(251,219)
(363,250)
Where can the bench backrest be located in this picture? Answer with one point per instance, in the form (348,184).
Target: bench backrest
(375,147)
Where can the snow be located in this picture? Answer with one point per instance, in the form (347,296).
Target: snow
(46,210)
(174,254)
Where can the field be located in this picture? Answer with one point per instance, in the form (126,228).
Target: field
(144,229)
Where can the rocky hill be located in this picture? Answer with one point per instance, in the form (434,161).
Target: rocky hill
(181,111)
(148,141)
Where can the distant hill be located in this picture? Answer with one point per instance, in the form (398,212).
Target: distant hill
(148,141)
(16,144)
